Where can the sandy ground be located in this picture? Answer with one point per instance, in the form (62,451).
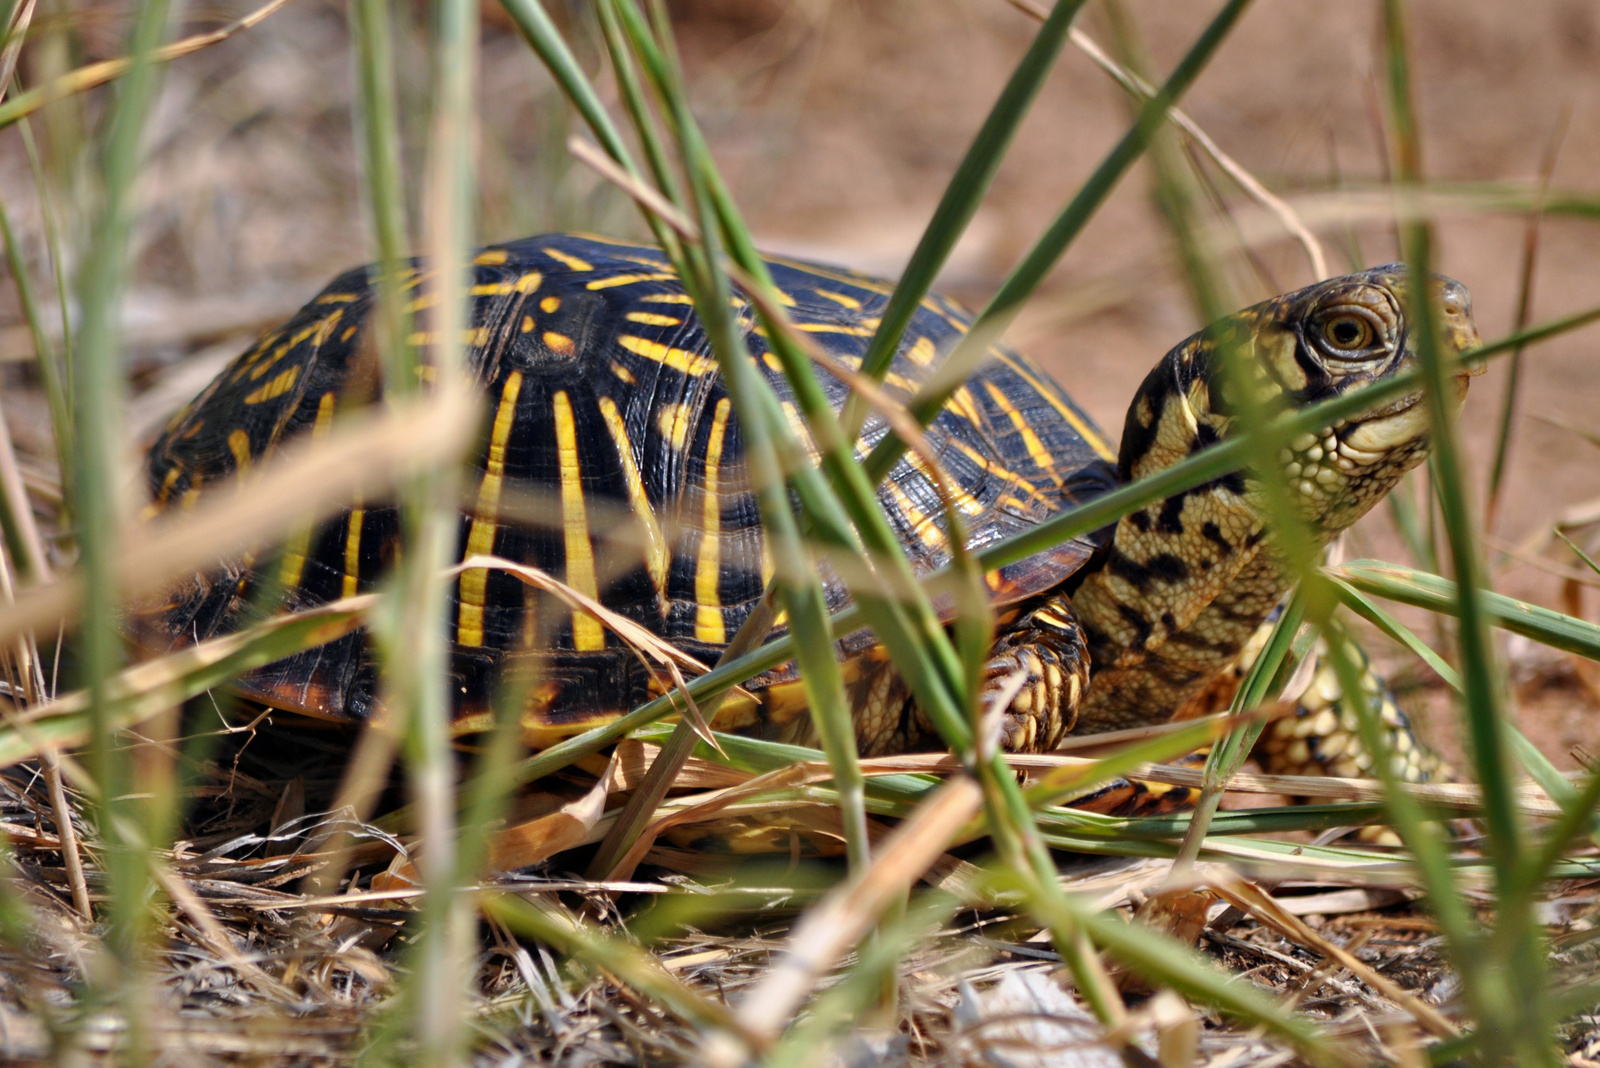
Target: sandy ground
(838,123)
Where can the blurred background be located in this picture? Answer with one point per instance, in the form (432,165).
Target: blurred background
(838,123)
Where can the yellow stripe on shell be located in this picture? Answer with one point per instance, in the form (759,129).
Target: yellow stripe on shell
(567,258)
(652,319)
(587,634)
(657,556)
(690,363)
(834,328)
(709,625)
(480,535)
(673,422)
(1092,436)
(275,388)
(627,280)
(352,552)
(1041,456)
(667,298)
(335,298)
(839,298)
(529,282)
(294,554)
(492,257)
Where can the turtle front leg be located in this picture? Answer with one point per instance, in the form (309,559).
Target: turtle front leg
(1040,668)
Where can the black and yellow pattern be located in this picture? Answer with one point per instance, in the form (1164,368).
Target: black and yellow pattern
(602,394)
(604,405)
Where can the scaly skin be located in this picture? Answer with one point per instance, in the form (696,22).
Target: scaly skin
(1188,580)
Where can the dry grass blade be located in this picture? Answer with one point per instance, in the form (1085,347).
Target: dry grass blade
(15,33)
(150,688)
(536,840)
(645,644)
(647,198)
(366,458)
(1256,902)
(793,775)
(94,74)
(1285,214)
(830,929)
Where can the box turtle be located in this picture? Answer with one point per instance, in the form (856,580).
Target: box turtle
(604,409)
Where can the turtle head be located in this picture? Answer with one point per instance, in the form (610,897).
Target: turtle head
(1186,580)
(1298,349)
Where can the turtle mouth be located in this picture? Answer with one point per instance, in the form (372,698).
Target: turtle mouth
(1396,426)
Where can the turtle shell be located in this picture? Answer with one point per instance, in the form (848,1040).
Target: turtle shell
(603,407)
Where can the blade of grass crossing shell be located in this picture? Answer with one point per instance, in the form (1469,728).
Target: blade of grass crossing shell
(96,449)
(418,653)
(765,434)
(962,196)
(1026,276)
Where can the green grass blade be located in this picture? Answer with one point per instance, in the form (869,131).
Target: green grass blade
(1372,613)
(1422,590)
(991,323)
(962,196)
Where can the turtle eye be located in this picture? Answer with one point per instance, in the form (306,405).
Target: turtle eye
(1347,333)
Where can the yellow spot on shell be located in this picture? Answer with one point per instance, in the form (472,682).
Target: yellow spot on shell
(239,445)
(349,332)
(922,352)
(275,388)
(623,373)
(709,625)
(527,324)
(549,304)
(491,257)
(560,343)
(674,419)
(529,282)
(491,289)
